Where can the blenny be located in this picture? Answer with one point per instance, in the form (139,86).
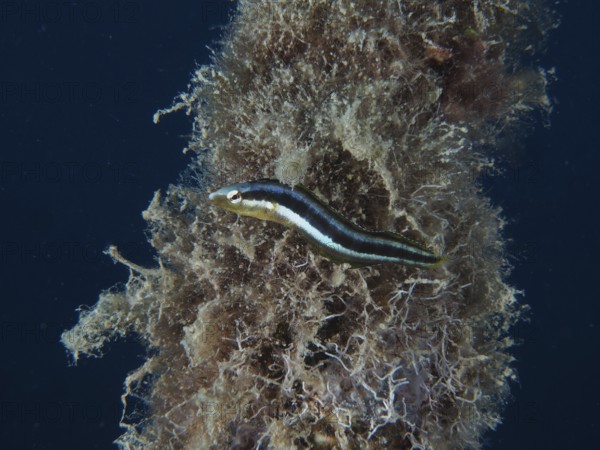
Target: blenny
(333,235)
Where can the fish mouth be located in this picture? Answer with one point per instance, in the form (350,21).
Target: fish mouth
(219,199)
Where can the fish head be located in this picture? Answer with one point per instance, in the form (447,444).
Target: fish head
(240,199)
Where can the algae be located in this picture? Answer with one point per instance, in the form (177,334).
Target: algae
(391,110)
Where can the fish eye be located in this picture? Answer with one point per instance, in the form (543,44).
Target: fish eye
(234,196)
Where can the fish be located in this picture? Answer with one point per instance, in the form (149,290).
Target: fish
(333,235)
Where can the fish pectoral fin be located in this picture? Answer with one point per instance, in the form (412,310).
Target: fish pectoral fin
(324,252)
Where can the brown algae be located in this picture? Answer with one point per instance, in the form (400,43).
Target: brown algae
(388,109)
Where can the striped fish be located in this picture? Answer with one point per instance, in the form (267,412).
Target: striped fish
(333,235)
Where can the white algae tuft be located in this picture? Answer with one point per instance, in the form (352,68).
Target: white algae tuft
(390,110)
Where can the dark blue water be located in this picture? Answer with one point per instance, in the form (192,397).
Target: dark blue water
(552,197)
(81,158)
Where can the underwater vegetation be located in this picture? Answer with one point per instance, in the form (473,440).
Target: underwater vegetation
(391,111)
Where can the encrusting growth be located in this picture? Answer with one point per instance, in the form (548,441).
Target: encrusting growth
(389,110)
